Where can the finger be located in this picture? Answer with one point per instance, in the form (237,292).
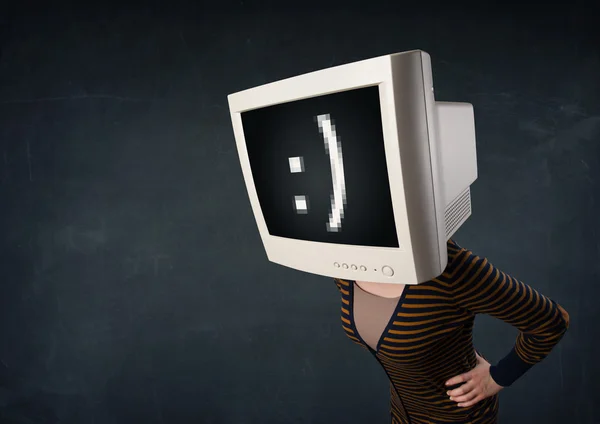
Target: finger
(462,390)
(459,379)
(471,402)
(466,398)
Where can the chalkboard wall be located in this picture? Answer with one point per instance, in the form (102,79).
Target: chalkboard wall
(133,283)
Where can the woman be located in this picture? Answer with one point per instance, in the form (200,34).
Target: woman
(422,335)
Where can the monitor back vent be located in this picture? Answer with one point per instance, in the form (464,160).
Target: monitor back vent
(457,212)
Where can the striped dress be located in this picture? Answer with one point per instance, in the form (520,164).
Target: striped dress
(429,337)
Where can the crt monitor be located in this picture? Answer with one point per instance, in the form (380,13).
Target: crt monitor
(355,171)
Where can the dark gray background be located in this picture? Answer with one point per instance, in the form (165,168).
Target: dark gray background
(134,286)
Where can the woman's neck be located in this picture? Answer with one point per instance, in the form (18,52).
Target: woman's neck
(382,289)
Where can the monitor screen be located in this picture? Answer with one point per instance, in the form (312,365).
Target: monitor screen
(319,169)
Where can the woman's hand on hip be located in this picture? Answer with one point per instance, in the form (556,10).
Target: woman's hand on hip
(478,385)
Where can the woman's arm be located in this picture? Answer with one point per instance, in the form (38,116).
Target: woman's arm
(479,287)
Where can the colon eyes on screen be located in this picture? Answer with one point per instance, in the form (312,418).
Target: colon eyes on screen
(333,149)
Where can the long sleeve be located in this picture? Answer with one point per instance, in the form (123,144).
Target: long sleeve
(479,287)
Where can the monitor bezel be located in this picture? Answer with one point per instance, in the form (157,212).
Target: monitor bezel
(317,257)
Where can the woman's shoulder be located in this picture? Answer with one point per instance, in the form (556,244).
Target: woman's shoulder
(342,284)
(454,247)
(461,262)
(457,253)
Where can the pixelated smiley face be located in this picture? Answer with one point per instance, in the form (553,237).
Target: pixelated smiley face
(319,169)
(333,148)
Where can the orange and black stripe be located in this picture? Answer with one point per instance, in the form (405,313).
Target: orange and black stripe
(428,339)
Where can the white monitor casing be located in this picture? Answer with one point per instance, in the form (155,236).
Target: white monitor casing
(431,161)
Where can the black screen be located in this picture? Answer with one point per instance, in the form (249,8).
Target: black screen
(299,197)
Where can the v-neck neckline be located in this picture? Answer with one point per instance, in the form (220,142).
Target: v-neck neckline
(397,308)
